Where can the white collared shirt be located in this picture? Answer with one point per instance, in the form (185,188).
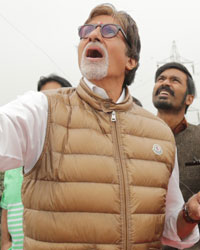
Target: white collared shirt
(22,132)
(101,92)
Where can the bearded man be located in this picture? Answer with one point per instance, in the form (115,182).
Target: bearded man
(173,93)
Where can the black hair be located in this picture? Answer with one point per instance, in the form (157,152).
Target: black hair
(175,65)
(191,90)
(52,78)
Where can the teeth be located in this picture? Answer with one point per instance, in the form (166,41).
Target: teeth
(164,92)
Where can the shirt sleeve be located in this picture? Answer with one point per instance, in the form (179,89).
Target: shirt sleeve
(22,131)
(174,203)
(4,203)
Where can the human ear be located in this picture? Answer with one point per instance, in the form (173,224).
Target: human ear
(131,64)
(189,99)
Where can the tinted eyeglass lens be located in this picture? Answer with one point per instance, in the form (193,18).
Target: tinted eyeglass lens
(109,30)
(85,30)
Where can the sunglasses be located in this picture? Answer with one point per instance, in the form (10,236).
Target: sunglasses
(107,30)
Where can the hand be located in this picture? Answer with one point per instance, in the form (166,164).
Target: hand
(193,207)
(5,236)
(6,246)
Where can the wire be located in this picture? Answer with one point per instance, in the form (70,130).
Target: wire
(32,42)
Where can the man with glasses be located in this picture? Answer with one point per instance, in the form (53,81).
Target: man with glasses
(173,93)
(98,168)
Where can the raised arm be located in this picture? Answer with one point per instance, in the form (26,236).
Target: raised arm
(177,233)
(22,130)
(189,216)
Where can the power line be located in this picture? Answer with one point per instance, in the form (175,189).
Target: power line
(31,41)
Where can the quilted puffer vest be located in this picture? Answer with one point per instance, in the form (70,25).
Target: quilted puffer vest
(101,180)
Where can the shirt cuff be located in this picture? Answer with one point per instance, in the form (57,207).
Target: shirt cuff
(3,205)
(171,238)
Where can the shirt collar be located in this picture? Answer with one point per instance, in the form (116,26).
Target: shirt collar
(101,92)
(180,127)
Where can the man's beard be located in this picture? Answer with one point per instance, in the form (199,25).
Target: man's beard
(94,70)
(163,104)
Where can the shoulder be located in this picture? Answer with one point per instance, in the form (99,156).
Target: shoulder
(189,136)
(191,130)
(140,111)
(31,101)
(31,97)
(62,94)
(59,92)
(193,127)
(151,124)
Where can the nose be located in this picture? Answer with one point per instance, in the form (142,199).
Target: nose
(166,81)
(95,35)
(162,83)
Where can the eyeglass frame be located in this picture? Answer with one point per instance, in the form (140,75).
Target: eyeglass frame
(119,28)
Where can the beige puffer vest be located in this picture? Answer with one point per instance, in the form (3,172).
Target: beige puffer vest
(101,180)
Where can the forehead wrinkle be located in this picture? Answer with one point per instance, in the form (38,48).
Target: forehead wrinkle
(170,76)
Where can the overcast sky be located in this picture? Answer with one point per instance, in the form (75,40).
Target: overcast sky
(39,37)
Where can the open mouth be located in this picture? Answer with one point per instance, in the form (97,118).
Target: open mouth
(164,91)
(94,53)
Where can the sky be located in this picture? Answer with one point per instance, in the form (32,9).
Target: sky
(40,37)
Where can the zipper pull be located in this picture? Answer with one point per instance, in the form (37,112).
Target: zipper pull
(113,117)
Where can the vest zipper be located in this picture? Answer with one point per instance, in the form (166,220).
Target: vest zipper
(122,180)
(113,117)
